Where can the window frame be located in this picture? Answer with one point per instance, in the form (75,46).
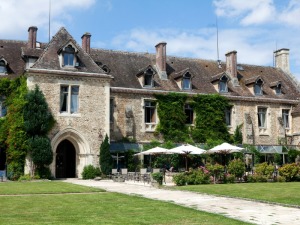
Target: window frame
(3,64)
(189,113)
(186,79)
(150,111)
(148,76)
(111,110)
(228,116)
(278,89)
(258,87)
(262,117)
(286,118)
(69,99)
(223,82)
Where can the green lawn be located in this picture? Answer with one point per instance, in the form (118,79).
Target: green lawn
(91,208)
(286,193)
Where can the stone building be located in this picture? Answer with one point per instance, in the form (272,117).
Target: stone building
(94,92)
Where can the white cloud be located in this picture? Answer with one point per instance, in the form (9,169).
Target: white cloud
(291,14)
(250,12)
(19,15)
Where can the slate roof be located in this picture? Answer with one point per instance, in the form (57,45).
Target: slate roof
(11,51)
(125,68)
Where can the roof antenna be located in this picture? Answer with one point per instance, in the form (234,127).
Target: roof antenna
(218,61)
(49,17)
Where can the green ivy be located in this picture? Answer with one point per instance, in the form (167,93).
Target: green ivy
(172,117)
(210,121)
(16,141)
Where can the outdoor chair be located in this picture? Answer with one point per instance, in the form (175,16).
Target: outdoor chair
(124,173)
(155,170)
(145,177)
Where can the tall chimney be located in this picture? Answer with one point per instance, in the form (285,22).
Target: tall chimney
(282,60)
(86,42)
(32,33)
(231,66)
(161,58)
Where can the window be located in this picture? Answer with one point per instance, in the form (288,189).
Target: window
(3,109)
(3,68)
(148,78)
(278,89)
(285,118)
(223,84)
(150,107)
(228,116)
(258,87)
(69,56)
(111,111)
(69,99)
(189,113)
(262,114)
(186,81)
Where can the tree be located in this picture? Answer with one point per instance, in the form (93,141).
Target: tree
(38,121)
(105,161)
(238,135)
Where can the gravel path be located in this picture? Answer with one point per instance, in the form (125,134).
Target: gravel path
(249,211)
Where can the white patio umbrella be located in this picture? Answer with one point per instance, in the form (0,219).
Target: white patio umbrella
(224,148)
(187,149)
(154,151)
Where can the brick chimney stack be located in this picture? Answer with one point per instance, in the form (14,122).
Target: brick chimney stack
(231,66)
(86,42)
(161,58)
(282,59)
(32,33)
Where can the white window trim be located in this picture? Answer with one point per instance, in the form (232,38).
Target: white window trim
(264,130)
(68,112)
(148,127)
(61,57)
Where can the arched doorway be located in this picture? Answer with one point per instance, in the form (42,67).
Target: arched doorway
(65,160)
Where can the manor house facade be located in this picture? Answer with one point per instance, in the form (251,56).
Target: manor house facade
(94,92)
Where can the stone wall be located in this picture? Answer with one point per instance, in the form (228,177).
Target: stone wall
(85,129)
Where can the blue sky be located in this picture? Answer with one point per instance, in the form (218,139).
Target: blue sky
(253,28)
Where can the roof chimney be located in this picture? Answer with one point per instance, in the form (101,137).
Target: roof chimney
(282,60)
(86,42)
(32,32)
(161,58)
(231,66)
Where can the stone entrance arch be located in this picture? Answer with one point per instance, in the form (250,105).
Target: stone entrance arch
(71,153)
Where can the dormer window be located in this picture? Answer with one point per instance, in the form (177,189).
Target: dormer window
(278,90)
(223,84)
(69,56)
(3,68)
(186,81)
(148,78)
(258,87)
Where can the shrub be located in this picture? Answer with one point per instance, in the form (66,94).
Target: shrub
(215,170)
(90,172)
(106,160)
(289,171)
(236,167)
(228,178)
(180,179)
(158,177)
(263,169)
(279,179)
(43,172)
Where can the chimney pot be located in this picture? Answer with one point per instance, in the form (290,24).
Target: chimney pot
(86,42)
(32,33)
(282,60)
(161,59)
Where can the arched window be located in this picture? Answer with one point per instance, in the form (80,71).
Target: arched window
(223,84)
(148,78)
(69,56)
(186,81)
(258,87)
(3,68)
(278,89)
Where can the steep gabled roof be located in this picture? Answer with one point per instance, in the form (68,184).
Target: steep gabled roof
(50,57)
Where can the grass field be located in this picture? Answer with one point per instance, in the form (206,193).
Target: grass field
(285,193)
(63,203)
